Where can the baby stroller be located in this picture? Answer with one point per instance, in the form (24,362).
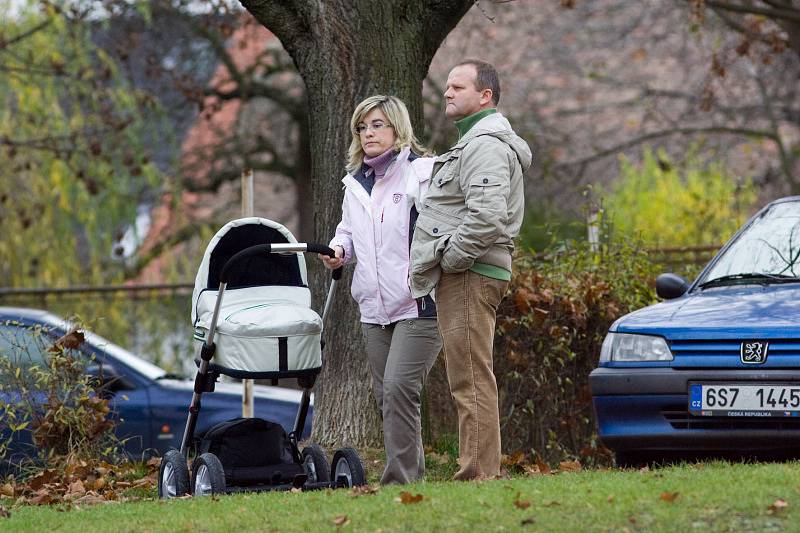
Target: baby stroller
(263,328)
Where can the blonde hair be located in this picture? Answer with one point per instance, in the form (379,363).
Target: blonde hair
(397,115)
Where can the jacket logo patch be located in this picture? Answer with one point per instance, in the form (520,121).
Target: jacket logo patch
(396,197)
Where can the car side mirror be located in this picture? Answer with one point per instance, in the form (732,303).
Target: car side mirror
(109,380)
(669,286)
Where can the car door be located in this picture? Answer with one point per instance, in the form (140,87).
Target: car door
(128,395)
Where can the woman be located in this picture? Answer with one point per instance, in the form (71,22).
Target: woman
(386,176)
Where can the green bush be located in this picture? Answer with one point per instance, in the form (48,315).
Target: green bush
(549,332)
(665,203)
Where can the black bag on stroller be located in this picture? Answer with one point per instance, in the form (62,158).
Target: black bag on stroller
(252,450)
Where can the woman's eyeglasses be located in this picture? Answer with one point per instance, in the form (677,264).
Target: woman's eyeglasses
(361,129)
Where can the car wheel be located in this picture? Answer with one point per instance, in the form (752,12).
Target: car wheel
(347,469)
(208,476)
(315,462)
(173,475)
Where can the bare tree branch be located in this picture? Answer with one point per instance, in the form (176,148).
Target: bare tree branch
(660,134)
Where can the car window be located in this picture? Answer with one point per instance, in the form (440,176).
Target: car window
(24,346)
(21,344)
(771,245)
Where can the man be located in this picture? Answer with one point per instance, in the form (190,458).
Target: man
(462,248)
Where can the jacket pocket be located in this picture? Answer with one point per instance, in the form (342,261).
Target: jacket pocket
(445,168)
(430,240)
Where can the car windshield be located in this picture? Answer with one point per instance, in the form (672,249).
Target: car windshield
(766,252)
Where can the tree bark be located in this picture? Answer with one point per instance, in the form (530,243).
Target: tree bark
(345,51)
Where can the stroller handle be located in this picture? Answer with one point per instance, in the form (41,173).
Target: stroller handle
(277,248)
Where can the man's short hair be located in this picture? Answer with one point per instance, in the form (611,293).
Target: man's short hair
(485,78)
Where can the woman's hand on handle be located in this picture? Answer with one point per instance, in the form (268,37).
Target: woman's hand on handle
(336,262)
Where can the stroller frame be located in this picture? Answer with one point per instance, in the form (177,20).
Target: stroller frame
(174,467)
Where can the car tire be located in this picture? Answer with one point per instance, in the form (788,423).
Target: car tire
(315,463)
(173,475)
(208,476)
(347,470)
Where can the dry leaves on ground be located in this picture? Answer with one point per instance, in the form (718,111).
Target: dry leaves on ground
(521,504)
(341,520)
(776,506)
(669,496)
(4,512)
(407,498)
(569,466)
(81,483)
(363,490)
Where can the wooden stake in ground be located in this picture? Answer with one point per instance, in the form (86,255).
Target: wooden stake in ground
(248,210)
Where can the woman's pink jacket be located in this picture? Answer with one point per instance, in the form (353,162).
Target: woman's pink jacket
(375,233)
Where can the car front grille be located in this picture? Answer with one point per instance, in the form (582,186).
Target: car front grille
(783,353)
(679,418)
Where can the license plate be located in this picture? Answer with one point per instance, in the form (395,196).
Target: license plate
(740,399)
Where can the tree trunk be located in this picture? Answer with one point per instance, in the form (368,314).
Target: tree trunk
(303,185)
(345,51)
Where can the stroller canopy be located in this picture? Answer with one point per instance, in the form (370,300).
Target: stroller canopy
(266,328)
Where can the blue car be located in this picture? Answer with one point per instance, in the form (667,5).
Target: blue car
(715,368)
(150,405)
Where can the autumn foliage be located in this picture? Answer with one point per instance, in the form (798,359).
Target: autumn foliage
(549,331)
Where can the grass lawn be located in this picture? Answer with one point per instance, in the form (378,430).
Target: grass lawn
(715,496)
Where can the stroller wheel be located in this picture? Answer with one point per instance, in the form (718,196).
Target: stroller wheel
(315,462)
(173,475)
(208,477)
(347,469)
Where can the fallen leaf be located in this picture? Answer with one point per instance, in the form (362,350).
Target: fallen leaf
(7,490)
(776,506)
(669,496)
(569,466)
(514,459)
(4,512)
(528,522)
(544,468)
(521,504)
(610,499)
(76,488)
(551,503)
(41,497)
(407,498)
(90,499)
(340,521)
(363,490)
(295,490)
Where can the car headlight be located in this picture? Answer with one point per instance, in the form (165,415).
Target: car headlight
(631,347)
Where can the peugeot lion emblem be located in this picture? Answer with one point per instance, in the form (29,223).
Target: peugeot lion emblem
(753,352)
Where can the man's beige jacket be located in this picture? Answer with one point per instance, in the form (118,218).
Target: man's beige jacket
(473,209)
